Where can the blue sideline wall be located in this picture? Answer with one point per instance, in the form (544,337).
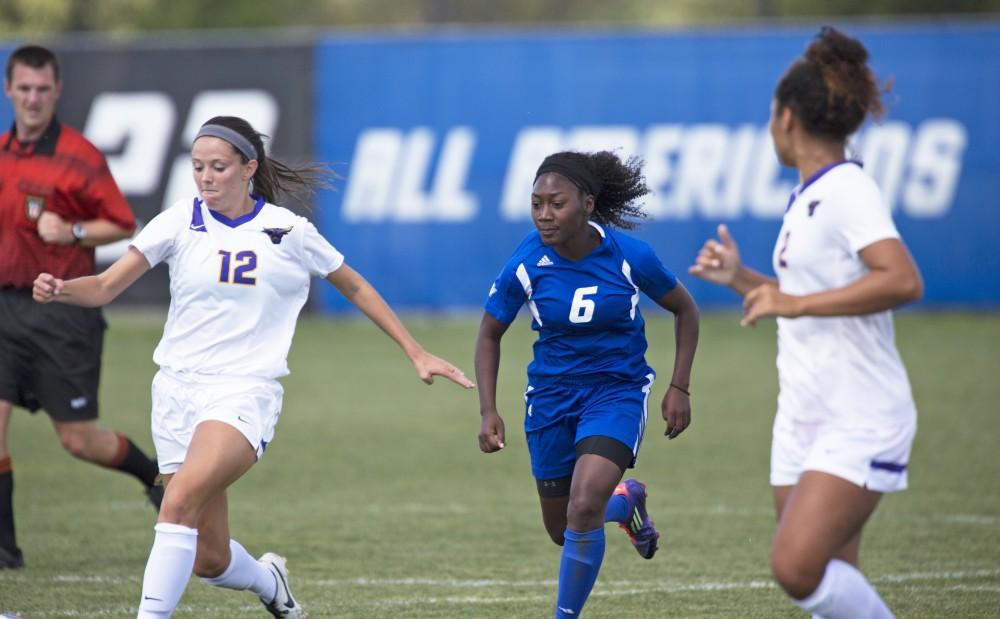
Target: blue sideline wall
(438,136)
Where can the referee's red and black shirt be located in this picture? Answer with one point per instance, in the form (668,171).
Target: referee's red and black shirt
(60,172)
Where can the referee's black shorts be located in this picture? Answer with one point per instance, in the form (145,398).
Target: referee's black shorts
(50,355)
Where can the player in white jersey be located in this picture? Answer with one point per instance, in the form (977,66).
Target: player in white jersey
(846,418)
(240,269)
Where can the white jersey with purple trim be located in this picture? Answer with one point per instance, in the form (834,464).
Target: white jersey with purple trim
(841,367)
(236,286)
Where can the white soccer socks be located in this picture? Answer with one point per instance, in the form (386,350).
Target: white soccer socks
(245,572)
(168,570)
(844,593)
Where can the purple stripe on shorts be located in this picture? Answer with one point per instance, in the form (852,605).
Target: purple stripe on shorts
(892,467)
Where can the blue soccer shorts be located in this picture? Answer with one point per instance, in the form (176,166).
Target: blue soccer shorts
(558,416)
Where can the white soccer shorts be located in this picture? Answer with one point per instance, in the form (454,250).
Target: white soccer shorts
(875,458)
(182,401)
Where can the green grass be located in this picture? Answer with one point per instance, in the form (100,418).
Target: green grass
(377,493)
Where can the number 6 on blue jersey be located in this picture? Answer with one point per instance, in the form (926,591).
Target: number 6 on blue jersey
(582,310)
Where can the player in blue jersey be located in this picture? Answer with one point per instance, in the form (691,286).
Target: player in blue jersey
(588,385)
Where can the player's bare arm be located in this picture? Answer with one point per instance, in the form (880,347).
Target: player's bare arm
(492,433)
(93,290)
(676,405)
(363,295)
(892,280)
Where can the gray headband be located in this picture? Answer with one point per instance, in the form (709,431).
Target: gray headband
(225,133)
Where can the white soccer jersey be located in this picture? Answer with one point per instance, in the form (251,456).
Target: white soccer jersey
(843,367)
(236,286)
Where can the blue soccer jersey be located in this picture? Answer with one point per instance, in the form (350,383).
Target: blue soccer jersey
(586,312)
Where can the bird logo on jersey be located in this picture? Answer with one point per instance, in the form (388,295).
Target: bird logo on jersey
(276,234)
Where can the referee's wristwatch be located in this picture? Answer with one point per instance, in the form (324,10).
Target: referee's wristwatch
(79,233)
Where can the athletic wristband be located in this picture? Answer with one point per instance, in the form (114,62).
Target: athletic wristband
(681,389)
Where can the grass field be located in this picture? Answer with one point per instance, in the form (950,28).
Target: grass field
(377,493)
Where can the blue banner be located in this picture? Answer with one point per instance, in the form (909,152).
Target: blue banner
(439,136)
(6,111)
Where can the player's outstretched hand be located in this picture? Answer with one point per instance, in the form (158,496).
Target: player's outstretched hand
(428,366)
(676,412)
(491,432)
(46,287)
(718,261)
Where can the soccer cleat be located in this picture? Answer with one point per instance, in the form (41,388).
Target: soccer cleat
(283,606)
(11,559)
(639,526)
(155,492)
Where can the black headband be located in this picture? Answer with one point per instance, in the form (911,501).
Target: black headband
(572,166)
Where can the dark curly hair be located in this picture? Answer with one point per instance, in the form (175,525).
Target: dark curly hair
(621,185)
(831,89)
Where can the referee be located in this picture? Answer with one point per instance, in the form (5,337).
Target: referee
(58,201)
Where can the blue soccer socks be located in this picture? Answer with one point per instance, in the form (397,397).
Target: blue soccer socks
(582,555)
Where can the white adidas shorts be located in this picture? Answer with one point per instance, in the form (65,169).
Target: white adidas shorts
(182,401)
(873,458)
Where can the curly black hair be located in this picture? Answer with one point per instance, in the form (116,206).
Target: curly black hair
(621,184)
(831,89)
